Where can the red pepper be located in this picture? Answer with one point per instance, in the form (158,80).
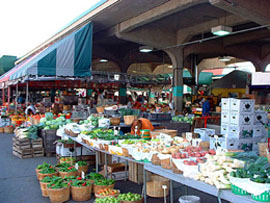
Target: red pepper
(70,181)
(50,166)
(84,184)
(70,167)
(79,178)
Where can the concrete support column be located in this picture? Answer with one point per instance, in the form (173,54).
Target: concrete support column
(177,58)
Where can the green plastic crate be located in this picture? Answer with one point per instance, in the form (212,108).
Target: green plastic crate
(264,197)
(238,191)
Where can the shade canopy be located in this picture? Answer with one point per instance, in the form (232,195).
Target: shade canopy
(70,56)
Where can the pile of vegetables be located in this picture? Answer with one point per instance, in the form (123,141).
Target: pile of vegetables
(217,169)
(258,171)
(49,170)
(57,184)
(48,123)
(104,181)
(29,132)
(82,163)
(107,200)
(80,183)
(69,169)
(43,166)
(107,192)
(184,119)
(129,197)
(93,120)
(49,179)
(94,176)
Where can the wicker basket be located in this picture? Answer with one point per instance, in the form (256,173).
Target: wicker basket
(67,174)
(138,201)
(59,195)
(100,109)
(263,149)
(115,120)
(81,193)
(66,107)
(37,173)
(166,164)
(41,176)
(129,119)
(154,186)
(155,160)
(82,168)
(100,196)
(44,191)
(2,130)
(8,129)
(100,187)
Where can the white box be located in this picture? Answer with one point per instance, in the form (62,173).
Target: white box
(260,116)
(225,117)
(226,142)
(224,129)
(237,118)
(67,151)
(242,105)
(226,103)
(245,144)
(86,151)
(205,133)
(244,131)
(259,131)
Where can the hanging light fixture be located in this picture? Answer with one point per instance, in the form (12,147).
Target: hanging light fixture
(221,30)
(225,58)
(145,49)
(103,60)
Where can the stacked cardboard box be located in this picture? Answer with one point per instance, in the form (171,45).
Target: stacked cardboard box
(240,124)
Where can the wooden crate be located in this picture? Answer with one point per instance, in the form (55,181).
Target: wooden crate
(135,172)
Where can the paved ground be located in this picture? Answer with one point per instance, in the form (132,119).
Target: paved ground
(18,181)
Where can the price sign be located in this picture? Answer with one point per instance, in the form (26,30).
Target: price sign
(83,175)
(189,136)
(76,166)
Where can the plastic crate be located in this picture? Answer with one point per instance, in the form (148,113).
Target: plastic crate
(238,191)
(264,197)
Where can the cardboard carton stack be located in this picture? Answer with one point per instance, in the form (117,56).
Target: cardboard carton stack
(240,124)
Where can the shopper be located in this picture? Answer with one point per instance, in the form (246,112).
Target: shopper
(142,124)
(206,107)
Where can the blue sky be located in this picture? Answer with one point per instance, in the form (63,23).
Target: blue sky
(25,24)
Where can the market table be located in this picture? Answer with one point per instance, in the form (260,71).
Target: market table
(201,186)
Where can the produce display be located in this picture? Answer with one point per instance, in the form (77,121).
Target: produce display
(94,176)
(107,192)
(48,170)
(29,132)
(49,123)
(43,166)
(104,181)
(69,169)
(129,197)
(80,183)
(184,119)
(107,200)
(82,163)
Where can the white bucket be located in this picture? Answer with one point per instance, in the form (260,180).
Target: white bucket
(189,199)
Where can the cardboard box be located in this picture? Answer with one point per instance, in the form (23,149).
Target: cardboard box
(242,105)
(225,116)
(226,142)
(259,131)
(224,129)
(242,132)
(240,119)
(260,117)
(226,103)
(245,144)
(62,151)
(205,133)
